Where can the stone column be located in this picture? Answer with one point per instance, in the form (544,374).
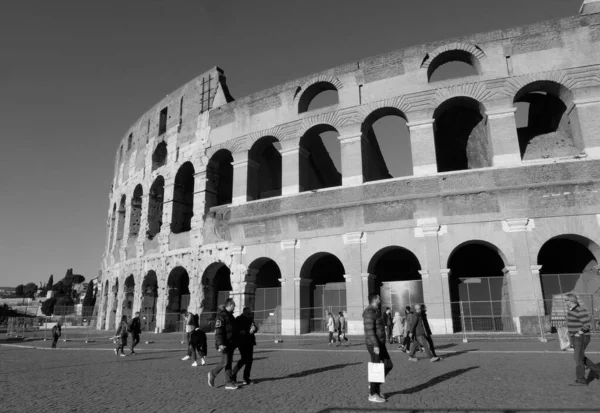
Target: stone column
(422,143)
(586,124)
(143,225)
(137,294)
(290,305)
(238,277)
(291,157)
(241,166)
(199,198)
(351,154)
(365,278)
(302,298)
(352,260)
(502,129)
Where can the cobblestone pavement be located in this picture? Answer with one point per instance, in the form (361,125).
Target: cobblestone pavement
(299,375)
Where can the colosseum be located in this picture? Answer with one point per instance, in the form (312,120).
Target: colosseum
(287,202)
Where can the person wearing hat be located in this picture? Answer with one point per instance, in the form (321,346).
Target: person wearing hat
(578,323)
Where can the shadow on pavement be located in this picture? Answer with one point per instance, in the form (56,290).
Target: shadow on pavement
(308,372)
(443,346)
(433,382)
(457,353)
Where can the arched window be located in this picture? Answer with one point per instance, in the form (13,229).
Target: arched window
(155,207)
(264,171)
(386,150)
(183,199)
(543,124)
(453,64)
(461,136)
(317,96)
(136,212)
(320,158)
(111,235)
(121,220)
(159,157)
(219,179)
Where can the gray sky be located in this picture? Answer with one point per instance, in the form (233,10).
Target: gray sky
(75,75)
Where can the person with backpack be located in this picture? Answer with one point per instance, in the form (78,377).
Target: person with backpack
(198,343)
(135,327)
(341,329)
(56,332)
(121,334)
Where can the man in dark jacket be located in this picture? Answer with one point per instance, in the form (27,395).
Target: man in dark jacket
(56,331)
(388,320)
(226,341)
(246,343)
(135,327)
(416,331)
(375,340)
(427,330)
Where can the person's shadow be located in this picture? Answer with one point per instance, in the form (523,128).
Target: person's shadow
(308,372)
(433,382)
(457,353)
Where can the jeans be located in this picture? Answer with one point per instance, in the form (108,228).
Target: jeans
(579,346)
(415,343)
(247,354)
(121,344)
(226,362)
(189,337)
(382,357)
(54,340)
(135,339)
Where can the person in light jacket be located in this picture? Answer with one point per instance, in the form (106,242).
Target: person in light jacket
(397,327)
(331,328)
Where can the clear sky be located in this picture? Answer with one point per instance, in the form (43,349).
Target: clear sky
(74,75)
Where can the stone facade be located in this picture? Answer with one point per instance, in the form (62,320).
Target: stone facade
(513,194)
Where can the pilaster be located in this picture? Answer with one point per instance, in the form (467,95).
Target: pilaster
(351,154)
(422,143)
(502,132)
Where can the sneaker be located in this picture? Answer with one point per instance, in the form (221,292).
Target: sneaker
(247,382)
(211,379)
(434,359)
(195,364)
(413,359)
(116,352)
(122,354)
(186,358)
(203,362)
(578,383)
(231,386)
(375,398)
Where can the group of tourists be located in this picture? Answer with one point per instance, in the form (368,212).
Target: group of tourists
(338,326)
(123,330)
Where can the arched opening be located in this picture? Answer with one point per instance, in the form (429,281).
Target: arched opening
(104,304)
(219,179)
(183,199)
(394,275)
(568,263)
(263,294)
(111,236)
(149,298)
(385,146)
(136,212)
(159,156)
(155,207)
(461,136)
(543,123)
(478,289)
(453,64)
(320,158)
(178,298)
(113,308)
(317,96)
(121,220)
(322,290)
(129,289)
(264,170)
(216,286)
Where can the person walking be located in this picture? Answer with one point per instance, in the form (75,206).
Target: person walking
(56,333)
(427,330)
(190,326)
(388,320)
(121,334)
(331,328)
(405,344)
(578,323)
(375,340)
(226,341)
(135,327)
(198,343)
(246,343)
(416,331)
(397,327)
(341,328)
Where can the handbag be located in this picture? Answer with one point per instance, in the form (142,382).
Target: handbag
(376,373)
(563,338)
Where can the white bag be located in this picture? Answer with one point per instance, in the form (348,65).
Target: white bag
(563,338)
(376,373)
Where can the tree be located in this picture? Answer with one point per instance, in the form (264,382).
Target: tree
(89,300)
(19,290)
(48,306)
(50,282)
(29,290)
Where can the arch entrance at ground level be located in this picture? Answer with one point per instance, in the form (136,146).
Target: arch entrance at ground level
(178,298)
(216,286)
(149,298)
(394,275)
(478,289)
(129,289)
(567,265)
(263,294)
(322,290)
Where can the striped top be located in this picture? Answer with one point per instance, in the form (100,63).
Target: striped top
(578,319)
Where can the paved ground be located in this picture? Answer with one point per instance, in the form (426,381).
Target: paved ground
(298,375)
